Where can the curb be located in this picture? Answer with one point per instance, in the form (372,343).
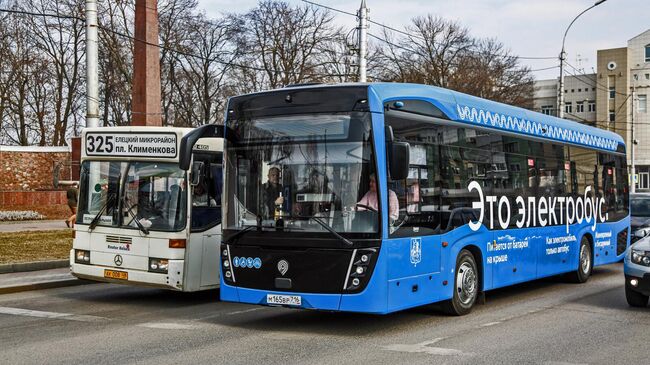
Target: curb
(33,266)
(44,285)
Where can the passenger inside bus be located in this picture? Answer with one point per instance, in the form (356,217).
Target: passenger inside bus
(200,197)
(271,191)
(370,200)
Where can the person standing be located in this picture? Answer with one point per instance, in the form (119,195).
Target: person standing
(271,191)
(72,195)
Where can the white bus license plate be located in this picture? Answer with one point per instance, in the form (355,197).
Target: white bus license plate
(283,299)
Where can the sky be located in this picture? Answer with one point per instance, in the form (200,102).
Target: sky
(529,28)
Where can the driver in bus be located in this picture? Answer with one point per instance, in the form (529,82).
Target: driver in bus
(271,191)
(370,200)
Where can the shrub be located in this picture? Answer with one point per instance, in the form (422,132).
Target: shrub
(20,215)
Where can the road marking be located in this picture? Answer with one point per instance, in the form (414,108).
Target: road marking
(244,311)
(425,347)
(50,315)
(168,326)
(489,324)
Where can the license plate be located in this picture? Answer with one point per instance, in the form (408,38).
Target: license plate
(283,299)
(112,274)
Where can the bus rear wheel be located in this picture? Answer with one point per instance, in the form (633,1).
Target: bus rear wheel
(466,285)
(585,262)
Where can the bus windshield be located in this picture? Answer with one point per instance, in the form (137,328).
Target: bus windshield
(308,170)
(150,192)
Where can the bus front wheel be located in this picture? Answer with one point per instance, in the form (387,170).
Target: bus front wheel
(585,262)
(466,285)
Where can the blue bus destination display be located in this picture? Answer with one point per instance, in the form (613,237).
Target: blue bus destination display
(131,144)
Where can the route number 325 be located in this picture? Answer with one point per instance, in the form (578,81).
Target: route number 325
(99,144)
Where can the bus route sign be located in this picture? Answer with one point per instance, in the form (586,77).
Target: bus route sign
(145,144)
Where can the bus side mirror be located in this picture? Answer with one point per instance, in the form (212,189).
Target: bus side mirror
(197,170)
(398,160)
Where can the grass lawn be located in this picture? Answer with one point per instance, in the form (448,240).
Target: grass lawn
(34,246)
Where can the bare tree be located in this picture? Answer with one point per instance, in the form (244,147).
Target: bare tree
(433,50)
(60,39)
(492,72)
(442,53)
(287,43)
(116,61)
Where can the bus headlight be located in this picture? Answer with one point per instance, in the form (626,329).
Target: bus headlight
(158,265)
(359,268)
(226,266)
(82,256)
(641,257)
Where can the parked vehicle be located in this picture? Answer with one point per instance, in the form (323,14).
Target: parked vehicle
(639,215)
(637,273)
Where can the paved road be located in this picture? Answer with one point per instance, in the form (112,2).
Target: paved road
(545,322)
(22,226)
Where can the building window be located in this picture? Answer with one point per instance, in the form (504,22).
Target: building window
(568,108)
(647,76)
(579,90)
(612,92)
(643,180)
(612,116)
(573,90)
(647,53)
(591,106)
(593,89)
(580,107)
(642,104)
(547,109)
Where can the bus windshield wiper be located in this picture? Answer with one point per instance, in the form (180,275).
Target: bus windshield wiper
(240,233)
(327,227)
(134,216)
(95,220)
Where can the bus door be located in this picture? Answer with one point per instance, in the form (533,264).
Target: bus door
(202,266)
(414,246)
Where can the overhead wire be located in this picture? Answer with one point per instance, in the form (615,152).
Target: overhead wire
(410,34)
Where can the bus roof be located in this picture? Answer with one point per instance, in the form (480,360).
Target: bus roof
(472,110)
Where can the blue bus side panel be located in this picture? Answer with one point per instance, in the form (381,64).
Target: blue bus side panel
(606,241)
(418,278)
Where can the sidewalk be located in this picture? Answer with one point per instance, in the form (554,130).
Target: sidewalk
(36,280)
(22,226)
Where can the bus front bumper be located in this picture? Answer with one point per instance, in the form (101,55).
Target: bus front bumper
(133,277)
(371,300)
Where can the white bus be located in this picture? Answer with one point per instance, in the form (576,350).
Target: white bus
(149,208)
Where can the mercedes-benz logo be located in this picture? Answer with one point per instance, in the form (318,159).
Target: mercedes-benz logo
(118,260)
(283,267)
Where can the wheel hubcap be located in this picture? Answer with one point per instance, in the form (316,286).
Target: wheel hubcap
(585,259)
(466,283)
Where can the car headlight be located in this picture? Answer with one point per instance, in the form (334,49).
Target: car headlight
(641,232)
(640,257)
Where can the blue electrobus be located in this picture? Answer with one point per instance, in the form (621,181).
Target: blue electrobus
(381,197)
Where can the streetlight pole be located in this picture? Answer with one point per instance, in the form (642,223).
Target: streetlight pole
(363,40)
(92,76)
(560,101)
